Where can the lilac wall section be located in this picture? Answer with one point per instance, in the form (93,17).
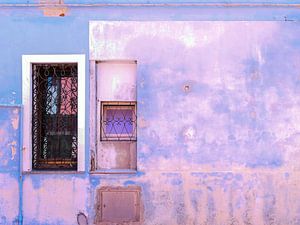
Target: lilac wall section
(9,164)
(218,113)
(213,92)
(218,118)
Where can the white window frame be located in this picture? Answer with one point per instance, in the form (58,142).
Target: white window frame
(27,61)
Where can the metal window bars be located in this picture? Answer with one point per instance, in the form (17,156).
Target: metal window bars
(54,116)
(118,121)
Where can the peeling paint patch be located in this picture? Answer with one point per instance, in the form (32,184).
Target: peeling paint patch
(9,131)
(42,203)
(189,133)
(3,136)
(15,119)
(13,145)
(55,11)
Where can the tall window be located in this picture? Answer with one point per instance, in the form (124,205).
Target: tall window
(54,116)
(53,95)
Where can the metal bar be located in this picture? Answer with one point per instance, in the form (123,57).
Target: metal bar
(117,121)
(226,5)
(55,109)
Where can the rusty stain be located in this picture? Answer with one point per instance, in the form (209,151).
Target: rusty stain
(54,11)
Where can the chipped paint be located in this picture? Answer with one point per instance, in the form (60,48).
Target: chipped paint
(42,194)
(209,146)
(9,198)
(13,149)
(15,119)
(218,108)
(55,11)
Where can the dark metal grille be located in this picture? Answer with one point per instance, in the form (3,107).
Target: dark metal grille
(54,116)
(118,121)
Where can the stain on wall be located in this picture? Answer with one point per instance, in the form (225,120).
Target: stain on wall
(9,138)
(215,149)
(53,8)
(54,199)
(9,164)
(218,104)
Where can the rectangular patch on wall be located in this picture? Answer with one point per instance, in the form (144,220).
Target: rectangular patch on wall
(116,107)
(118,205)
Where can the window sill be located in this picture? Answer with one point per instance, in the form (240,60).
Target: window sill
(52,172)
(114,171)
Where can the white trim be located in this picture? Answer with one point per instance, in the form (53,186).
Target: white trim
(27,60)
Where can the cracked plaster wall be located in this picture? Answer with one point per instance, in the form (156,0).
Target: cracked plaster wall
(218,111)
(219,105)
(9,164)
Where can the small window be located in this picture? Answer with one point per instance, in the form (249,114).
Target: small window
(118,121)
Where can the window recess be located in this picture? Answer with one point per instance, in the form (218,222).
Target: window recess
(116,116)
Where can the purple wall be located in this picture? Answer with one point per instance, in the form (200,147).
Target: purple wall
(218,109)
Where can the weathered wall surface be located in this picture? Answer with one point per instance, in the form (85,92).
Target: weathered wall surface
(9,164)
(218,108)
(54,199)
(218,111)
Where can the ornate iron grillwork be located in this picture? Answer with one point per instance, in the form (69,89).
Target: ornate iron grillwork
(118,121)
(54,116)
